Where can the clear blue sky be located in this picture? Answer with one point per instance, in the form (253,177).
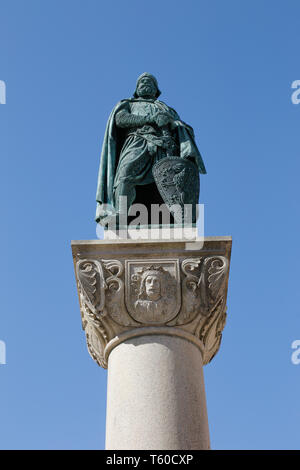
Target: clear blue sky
(227,68)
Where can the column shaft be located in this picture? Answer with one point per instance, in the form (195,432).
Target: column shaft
(156,395)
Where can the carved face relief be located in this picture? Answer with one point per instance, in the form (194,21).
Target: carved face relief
(153,293)
(156,294)
(152,286)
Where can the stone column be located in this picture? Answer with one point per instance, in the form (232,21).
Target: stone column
(153,313)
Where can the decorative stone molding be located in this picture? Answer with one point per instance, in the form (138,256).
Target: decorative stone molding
(148,291)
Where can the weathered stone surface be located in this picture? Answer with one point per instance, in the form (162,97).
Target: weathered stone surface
(129,289)
(156,395)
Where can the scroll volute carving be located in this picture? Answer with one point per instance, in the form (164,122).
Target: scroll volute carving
(210,330)
(203,284)
(92,286)
(115,295)
(101,294)
(194,300)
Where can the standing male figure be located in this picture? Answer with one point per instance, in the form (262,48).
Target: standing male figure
(139,132)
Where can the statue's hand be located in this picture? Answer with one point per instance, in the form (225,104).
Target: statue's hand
(162,119)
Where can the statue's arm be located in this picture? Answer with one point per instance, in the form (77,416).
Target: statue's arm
(177,122)
(125,119)
(174,119)
(187,126)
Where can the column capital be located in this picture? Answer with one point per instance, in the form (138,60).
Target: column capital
(129,288)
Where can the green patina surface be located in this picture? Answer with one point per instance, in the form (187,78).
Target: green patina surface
(141,132)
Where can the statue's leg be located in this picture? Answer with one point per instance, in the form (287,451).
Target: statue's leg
(134,169)
(126,189)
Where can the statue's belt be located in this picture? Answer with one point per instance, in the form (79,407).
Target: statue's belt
(164,141)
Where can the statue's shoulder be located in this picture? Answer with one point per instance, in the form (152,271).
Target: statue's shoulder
(127,100)
(122,104)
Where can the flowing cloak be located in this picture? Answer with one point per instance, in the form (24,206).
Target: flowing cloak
(112,145)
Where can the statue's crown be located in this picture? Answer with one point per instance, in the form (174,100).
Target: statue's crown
(159,269)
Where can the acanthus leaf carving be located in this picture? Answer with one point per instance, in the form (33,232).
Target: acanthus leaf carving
(91,286)
(117,296)
(202,286)
(103,311)
(209,330)
(218,267)
(204,293)
(96,340)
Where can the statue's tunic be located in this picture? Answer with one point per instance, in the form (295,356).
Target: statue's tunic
(144,145)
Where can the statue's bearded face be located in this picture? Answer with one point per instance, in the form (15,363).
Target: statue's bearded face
(146,88)
(152,286)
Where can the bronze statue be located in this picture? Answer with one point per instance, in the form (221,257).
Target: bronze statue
(149,155)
